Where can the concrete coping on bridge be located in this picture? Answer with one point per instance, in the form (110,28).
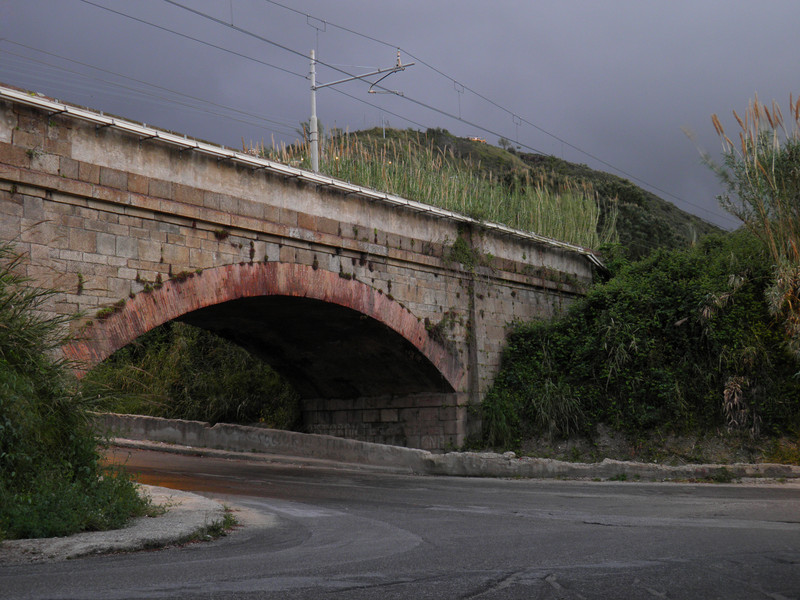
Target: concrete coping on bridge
(200,435)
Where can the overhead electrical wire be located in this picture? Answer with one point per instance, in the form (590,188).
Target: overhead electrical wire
(330,66)
(260,121)
(257,117)
(388,112)
(170,101)
(406,97)
(500,107)
(217,47)
(198,40)
(194,39)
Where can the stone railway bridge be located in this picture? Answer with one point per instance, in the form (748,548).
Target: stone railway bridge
(388,316)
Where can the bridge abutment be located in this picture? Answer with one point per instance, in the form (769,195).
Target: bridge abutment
(431,421)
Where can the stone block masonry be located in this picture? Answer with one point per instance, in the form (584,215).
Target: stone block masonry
(357,301)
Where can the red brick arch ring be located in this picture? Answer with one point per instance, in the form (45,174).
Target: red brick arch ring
(183,295)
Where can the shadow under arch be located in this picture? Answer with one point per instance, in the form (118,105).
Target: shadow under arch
(330,336)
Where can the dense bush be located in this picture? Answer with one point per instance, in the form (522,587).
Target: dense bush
(679,340)
(180,371)
(51,479)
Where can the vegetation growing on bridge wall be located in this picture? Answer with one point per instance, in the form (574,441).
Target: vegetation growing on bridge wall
(681,340)
(51,479)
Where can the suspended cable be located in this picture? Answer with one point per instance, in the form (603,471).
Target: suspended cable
(268,41)
(198,40)
(517,119)
(413,100)
(152,85)
(167,100)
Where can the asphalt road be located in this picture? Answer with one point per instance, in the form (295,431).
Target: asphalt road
(315,533)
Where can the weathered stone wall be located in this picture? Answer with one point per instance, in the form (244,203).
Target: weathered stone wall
(112,220)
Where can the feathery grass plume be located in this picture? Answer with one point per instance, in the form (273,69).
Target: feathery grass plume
(762,181)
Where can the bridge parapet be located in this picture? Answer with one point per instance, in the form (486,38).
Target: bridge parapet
(117,217)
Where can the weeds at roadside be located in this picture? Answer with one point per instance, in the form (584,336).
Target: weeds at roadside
(51,479)
(217,529)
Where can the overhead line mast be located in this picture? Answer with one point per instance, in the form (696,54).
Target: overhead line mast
(314,131)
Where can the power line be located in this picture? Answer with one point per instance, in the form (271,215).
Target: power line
(388,112)
(152,85)
(166,29)
(243,31)
(252,35)
(261,38)
(500,107)
(194,39)
(167,101)
(413,100)
(342,71)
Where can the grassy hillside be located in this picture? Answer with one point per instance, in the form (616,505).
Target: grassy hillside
(415,166)
(643,221)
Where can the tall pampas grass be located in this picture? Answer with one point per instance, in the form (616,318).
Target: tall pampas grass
(425,173)
(761,175)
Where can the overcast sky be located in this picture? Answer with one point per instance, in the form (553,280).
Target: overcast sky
(609,84)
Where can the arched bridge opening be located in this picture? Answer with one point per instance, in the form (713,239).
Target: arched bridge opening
(364,366)
(324,350)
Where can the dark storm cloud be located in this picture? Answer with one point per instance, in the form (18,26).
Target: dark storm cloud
(616,80)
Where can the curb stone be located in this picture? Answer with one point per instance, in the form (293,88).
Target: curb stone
(480,464)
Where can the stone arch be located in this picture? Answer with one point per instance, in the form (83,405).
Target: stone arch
(183,295)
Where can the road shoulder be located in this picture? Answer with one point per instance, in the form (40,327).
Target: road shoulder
(187,516)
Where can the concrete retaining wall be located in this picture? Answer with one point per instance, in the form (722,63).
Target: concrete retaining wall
(240,438)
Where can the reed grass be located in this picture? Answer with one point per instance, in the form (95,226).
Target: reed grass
(424,173)
(761,174)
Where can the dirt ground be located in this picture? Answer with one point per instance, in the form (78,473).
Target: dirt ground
(667,448)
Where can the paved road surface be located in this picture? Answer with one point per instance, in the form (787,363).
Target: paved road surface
(317,533)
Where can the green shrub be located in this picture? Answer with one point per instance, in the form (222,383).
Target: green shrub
(679,340)
(51,479)
(60,501)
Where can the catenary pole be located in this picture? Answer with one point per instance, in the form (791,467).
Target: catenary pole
(313,125)
(314,133)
